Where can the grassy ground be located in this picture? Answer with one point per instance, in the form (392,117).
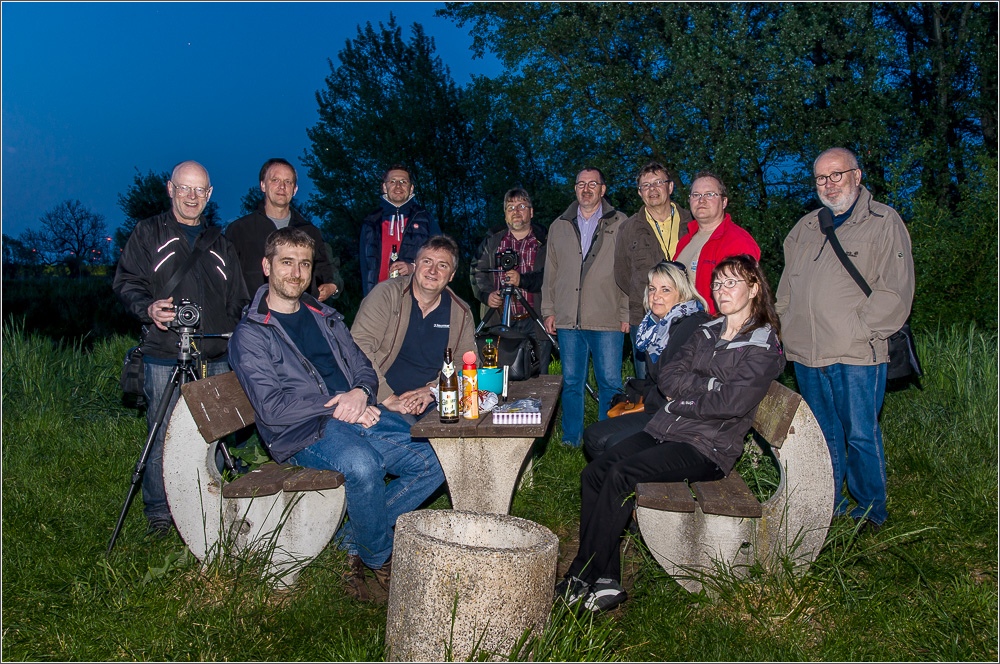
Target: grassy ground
(924,588)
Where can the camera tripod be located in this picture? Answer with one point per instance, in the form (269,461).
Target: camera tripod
(509,294)
(184,372)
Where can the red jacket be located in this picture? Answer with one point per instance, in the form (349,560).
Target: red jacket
(727,240)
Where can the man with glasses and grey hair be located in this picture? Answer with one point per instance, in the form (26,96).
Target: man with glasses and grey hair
(646,238)
(712,237)
(836,335)
(526,240)
(581,303)
(392,234)
(158,249)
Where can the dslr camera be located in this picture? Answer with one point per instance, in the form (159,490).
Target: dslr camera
(507,260)
(187,314)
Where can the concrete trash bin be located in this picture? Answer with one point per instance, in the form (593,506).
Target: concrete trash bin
(464,582)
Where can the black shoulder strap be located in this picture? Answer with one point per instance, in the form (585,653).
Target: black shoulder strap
(826,225)
(203,242)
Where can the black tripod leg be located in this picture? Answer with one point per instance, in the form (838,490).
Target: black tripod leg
(140,466)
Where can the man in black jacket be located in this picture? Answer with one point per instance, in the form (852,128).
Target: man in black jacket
(157,249)
(279,182)
(392,234)
(527,241)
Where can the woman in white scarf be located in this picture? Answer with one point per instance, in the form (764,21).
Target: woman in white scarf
(674,309)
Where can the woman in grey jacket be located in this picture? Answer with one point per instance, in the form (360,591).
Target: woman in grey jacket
(713,386)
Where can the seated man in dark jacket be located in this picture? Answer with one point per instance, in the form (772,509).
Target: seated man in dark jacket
(313,393)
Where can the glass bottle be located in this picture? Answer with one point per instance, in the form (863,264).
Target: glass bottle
(393,257)
(489,354)
(448,390)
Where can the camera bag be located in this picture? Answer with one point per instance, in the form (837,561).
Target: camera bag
(515,350)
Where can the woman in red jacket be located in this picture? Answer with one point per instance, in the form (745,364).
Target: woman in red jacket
(713,386)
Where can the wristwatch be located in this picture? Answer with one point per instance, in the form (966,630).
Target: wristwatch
(367,390)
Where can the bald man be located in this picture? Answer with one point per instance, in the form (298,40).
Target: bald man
(157,249)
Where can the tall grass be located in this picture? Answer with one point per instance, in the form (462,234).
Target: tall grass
(924,588)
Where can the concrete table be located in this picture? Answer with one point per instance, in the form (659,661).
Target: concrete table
(482,460)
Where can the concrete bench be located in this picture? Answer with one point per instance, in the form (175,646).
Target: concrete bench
(723,523)
(287,512)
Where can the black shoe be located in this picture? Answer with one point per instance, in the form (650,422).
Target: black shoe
(572,589)
(159,529)
(867,526)
(605,595)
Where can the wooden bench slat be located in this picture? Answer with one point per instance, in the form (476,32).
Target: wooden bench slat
(729,496)
(666,496)
(313,479)
(218,405)
(774,415)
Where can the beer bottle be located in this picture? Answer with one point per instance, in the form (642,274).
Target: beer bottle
(393,257)
(448,390)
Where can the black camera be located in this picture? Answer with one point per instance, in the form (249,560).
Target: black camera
(507,260)
(187,314)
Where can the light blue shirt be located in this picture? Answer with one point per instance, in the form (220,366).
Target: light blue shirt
(587,228)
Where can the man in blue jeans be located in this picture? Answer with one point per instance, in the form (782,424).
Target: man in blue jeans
(313,393)
(837,336)
(582,303)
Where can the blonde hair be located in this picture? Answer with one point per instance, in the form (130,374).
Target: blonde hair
(676,274)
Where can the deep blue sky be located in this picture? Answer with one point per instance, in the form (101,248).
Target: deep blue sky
(93,91)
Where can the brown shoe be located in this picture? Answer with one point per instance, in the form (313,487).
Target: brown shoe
(354,579)
(383,573)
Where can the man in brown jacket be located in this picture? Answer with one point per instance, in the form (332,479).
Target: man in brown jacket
(646,238)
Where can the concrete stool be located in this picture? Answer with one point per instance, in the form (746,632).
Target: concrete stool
(464,582)
(291,524)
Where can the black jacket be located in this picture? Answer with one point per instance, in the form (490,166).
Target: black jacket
(715,388)
(156,248)
(249,234)
(680,331)
(418,229)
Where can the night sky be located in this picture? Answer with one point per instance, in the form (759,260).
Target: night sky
(94,91)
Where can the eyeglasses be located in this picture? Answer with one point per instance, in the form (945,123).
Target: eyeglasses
(708,195)
(728,283)
(521,207)
(392,183)
(184,190)
(655,184)
(836,176)
(593,184)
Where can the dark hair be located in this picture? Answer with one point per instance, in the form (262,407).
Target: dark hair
(516,194)
(287,236)
(397,167)
(275,161)
(652,167)
(441,242)
(593,168)
(762,310)
(709,174)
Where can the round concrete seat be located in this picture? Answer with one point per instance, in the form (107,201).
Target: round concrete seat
(464,582)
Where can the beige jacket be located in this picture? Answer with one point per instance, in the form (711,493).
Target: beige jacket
(579,291)
(380,327)
(825,317)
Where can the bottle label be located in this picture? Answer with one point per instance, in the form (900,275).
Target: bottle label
(448,370)
(449,404)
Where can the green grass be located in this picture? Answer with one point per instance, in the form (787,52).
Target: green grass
(923,589)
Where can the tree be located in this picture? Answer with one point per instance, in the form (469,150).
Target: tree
(72,235)
(251,200)
(16,256)
(147,197)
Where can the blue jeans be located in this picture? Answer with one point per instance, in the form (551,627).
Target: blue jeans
(846,401)
(575,347)
(638,356)
(157,380)
(365,457)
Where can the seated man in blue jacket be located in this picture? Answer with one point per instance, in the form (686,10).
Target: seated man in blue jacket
(313,392)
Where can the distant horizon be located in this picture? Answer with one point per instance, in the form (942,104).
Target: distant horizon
(93,92)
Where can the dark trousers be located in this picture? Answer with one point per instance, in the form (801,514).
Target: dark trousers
(609,480)
(601,436)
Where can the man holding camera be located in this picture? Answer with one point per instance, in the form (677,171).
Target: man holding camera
(172,258)
(512,262)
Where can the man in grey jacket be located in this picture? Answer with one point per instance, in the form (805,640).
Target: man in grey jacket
(313,394)
(836,336)
(581,302)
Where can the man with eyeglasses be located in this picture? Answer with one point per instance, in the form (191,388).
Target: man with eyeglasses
(712,237)
(581,303)
(392,234)
(646,238)
(836,335)
(279,184)
(157,249)
(527,240)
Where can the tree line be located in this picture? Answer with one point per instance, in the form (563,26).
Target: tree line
(753,91)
